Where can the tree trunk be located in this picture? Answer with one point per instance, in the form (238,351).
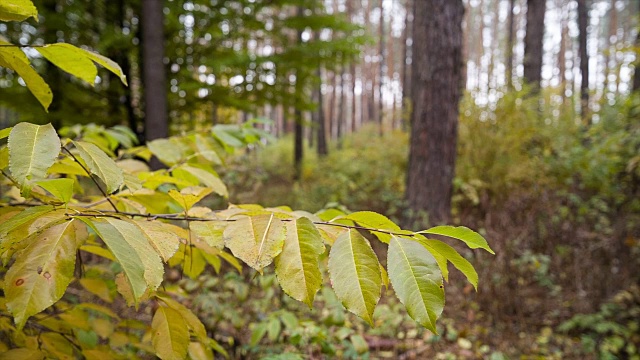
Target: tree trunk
(321,131)
(298,146)
(511,31)
(636,75)
(583,19)
(533,43)
(156,119)
(406,66)
(436,94)
(381,72)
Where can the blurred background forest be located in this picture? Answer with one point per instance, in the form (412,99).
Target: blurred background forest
(546,154)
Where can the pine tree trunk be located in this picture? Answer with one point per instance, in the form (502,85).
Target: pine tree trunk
(583,19)
(156,119)
(511,31)
(381,71)
(533,43)
(436,94)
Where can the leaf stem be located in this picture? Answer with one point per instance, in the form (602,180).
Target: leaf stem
(104,193)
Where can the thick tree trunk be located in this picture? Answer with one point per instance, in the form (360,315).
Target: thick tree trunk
(583,19)
(436,94)
(156,119)
(533,43)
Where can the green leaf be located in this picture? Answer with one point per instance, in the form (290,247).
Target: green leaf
(17,223)
(165,151)
(17,10)
(15,59)
(161,238)
(22,354)
(106,63)
(355,274)
(210,232)
(417,280)
(42,271)
(256,240)
(359,344)
(5,132)
(374,220)
(189,196)
(204,177)
(130,246)
(62,189)
(170,334)
(101,165)
(468,236)
(206,149)
(449,253)
(297,267)
(70,59)
(4,157)
(199,351)
(258,333)
(194,324)
(273,329)
(32,150)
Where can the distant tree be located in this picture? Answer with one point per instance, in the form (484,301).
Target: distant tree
(583,16)
(636,75)
(510,38)
(437,87)
(533,43)
(153,75)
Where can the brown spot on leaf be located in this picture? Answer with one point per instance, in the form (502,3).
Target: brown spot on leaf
(19,282)
(47,275)
(39,270)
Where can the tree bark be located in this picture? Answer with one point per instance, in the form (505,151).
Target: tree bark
(381,72)
(533,43)
(583,19)
(636,75)
(321,131)
(156,119)
(406,64)
(298,146)
(511,31)
(436,94)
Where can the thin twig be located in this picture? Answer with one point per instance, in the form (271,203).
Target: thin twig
(104,193)
(180,217)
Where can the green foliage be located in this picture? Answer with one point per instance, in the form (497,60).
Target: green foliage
(614,331)
(157,216)
(73,60)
